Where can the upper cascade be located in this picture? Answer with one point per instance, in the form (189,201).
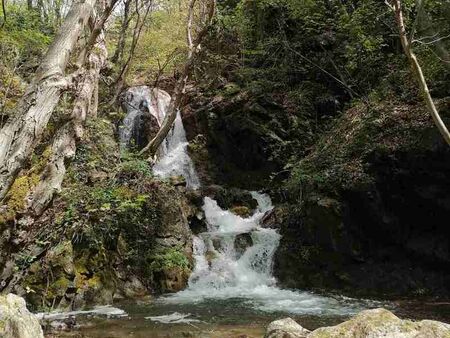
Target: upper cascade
(173,157)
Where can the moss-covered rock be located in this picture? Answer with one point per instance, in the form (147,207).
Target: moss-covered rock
(114,231)
(376,323)
(382,323)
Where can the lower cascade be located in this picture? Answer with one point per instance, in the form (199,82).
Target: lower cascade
(233,261)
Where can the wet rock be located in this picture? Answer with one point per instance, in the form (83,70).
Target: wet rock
(229,198)
(217,243)
(285,328)
(197,223)
(273,218)
(172,280)
(210,256)
(134,288)
(242,242)
(15,319)
(242,211)
(380,323)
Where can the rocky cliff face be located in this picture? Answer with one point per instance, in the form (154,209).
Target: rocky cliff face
(363,211)
(113,232)
(367,208)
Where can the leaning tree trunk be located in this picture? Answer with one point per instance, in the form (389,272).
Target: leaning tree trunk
(194,46)
(20,135)
(62,149)
(417,71)
(64,143)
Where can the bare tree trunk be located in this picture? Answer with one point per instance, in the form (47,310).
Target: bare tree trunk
(417,70)
(13,241)
(21,133)
(64,143)
(180,86)
(118,53)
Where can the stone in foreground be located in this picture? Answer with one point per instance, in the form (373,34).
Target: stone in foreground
(377,323)
(15,319)
(286,328)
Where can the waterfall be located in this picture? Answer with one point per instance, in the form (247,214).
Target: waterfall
(173,154)
(233,258)
(137,101)
(174,157)
(222,260)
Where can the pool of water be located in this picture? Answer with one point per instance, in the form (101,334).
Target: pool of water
(220,318)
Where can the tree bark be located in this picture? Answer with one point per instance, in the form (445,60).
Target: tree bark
(180,86)
(20,135)
(64,143)
(417,71)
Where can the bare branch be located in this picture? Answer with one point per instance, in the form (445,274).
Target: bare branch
(417,71)
(180,86)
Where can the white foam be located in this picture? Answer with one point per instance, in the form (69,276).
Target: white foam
(106,310)
(174,318)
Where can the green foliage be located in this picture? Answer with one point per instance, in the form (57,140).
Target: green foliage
(168,259)
(24,38)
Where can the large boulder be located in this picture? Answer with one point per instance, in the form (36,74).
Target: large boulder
(285,328)
(15,319)
(379,323)
(376,323)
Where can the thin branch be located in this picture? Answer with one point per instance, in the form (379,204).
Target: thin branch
(431,42)
(180,86)
(4,13)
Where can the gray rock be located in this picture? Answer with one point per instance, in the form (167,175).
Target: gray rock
(286,328)
(15,319)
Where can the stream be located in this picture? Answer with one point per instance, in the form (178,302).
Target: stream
(231,292)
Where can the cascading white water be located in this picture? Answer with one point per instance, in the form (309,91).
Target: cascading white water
(173,155)
(174,158)
(222,273)
(226,267)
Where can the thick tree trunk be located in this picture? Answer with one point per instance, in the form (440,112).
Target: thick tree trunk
(64,143)
(20,135)
(153,145)
(417,70)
